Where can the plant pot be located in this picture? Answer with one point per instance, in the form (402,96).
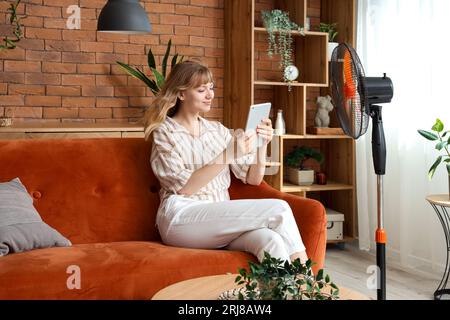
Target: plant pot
(301,177)
(266,289)
(331,47)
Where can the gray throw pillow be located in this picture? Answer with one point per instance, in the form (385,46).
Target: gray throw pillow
(21,226)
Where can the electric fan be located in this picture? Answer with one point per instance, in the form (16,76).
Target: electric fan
(356,98)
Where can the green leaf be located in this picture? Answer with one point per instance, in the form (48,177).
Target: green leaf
(159,78)
(319,275)
(151,59)
(448,168)
(438,127)
(166,57)
(174,61)
(441,145)
(428,135)
(138,75)
(434,167)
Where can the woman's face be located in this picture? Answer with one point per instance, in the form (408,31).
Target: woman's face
(198,99)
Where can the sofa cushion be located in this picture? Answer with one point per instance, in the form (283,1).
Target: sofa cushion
(21,227)
(118,270)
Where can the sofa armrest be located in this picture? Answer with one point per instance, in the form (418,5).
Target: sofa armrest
(309,214)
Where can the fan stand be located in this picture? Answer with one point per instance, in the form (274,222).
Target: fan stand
(379,161)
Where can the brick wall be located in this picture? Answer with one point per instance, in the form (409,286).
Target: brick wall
(61,75)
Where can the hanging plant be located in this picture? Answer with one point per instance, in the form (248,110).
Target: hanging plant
(279,28)
(15,21)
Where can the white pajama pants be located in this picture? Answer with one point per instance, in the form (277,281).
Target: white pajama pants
(255,226)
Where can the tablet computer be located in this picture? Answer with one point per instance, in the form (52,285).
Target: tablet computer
(256,114)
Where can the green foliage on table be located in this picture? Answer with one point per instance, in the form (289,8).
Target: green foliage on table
(275,279)
(157,83)
(439,135)
(279,28)
(15,21)
(329,28)
(298,157)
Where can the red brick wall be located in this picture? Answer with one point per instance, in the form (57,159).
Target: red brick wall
(61,75)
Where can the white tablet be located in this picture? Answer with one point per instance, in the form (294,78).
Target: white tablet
(256,115)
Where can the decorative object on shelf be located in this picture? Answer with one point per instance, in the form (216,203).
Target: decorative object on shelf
(291,73)
(440,136)
(6,122)
(332,34)
(335,225)
(123,16)
(308,24)
(277,23)
(297,173)
(280,125)
(321,179)
(275,279)
(322,118)
(324,107)
(15,21)
(160,77)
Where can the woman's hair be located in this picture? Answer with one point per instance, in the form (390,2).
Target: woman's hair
(185,75)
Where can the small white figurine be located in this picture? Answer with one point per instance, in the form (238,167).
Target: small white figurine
(324,107)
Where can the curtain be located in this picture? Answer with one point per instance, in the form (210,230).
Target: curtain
(408,40)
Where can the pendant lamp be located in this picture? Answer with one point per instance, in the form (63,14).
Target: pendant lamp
(123,16)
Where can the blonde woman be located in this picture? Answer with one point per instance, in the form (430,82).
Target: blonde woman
(192,158)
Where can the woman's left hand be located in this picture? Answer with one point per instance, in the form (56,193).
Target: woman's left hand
(265,131)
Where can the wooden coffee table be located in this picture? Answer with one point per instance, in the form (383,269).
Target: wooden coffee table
(210,288)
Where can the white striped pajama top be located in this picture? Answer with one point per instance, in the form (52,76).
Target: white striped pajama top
(176,155)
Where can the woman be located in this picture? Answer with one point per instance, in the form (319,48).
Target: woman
(192,157)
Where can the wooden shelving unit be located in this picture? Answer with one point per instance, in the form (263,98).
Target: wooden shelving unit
(252,77)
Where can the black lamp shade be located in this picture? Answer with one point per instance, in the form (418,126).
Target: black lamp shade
(123,16)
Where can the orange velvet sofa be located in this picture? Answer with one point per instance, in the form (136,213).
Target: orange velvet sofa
(102,195)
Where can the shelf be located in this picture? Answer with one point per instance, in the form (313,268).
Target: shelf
(285,84)
(331,186)
(312,137)
(295,33)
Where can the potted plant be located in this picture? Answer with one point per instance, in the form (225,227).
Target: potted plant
(332,34)
(275,279)
(297,172)
(442,138)
(279,28)
(157,83)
